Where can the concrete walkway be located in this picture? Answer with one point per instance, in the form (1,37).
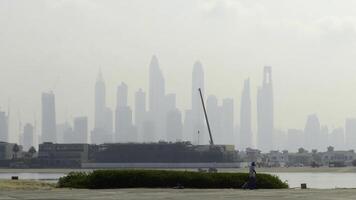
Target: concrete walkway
(158,194)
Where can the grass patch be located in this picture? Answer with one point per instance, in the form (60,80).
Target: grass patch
(24,185)
(112,179)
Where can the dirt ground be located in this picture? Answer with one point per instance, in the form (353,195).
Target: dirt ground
(159,194)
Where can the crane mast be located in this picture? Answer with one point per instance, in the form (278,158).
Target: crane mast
(206,117)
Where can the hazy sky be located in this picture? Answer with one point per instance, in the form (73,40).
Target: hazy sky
(60,44)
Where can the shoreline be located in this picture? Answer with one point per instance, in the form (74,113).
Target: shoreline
(242,170)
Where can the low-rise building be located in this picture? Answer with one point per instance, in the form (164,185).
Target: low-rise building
(334,158)
(300,159)
(277,159)
(62,155)
(7,151)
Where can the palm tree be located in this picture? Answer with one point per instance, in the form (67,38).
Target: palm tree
(15,150)
(32,151)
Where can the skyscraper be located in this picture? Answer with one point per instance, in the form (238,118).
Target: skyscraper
(350,133)
(337,139)
(170,102)
(214,113)
(122,94)
(245,117)
(227,121)
(28,137)
(100,102)
(157,98)
(312,132)
(64,132)
(197,112)
(4,127)
(103,128)
(174,126)
(295,139)
(123,122)
(80,130)
(265,112)
(140,112)
(48,118)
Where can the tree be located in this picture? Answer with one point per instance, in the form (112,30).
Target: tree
(15,150)
(32,151)
(354,163)
(302,150)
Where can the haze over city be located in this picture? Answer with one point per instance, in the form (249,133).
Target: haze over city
(60,46)
(177,99)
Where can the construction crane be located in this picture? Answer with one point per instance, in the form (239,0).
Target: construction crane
(206,117)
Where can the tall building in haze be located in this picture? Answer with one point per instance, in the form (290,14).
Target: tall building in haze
(227,121)
(156,101)
(194,127)
(103,116)
(312,132)
(28,137)
(124,130)
(48,118)
(174,126)
(245,117)
(265,112)
(214,113)
(337,138)
(140,113)
(350,133)
(4,127)
(80,130)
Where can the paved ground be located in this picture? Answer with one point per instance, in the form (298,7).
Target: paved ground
(159,194)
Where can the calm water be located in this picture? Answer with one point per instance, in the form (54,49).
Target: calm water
(319,180)
(313,180)
(33,176)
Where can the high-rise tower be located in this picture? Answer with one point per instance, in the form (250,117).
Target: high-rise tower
(157,98)
(4,127)
(100,102)
(80,130)
(28,137)
(197,128)
(122,94)
(265,112)
(245,117)
(312,132)
(48,118)
(140,112)
(103,115)
(123,121)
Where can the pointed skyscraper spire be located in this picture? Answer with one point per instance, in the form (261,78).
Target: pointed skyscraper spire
(100,75)
(156,97)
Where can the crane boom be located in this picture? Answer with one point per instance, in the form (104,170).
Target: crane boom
(206,117)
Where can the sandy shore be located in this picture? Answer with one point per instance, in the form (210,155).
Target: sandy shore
(160,194)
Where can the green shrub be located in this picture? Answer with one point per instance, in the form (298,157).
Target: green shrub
(111,179)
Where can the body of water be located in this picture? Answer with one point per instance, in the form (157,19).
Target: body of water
(33,176)
(294,180)
(319,180)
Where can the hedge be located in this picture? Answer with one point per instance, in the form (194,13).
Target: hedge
(114,179)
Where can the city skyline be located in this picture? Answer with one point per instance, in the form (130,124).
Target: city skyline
(164,121)
(233,39)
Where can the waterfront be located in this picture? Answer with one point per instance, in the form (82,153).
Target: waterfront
(323,178)
(319,180)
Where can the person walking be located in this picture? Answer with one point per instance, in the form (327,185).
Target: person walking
(252,177)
